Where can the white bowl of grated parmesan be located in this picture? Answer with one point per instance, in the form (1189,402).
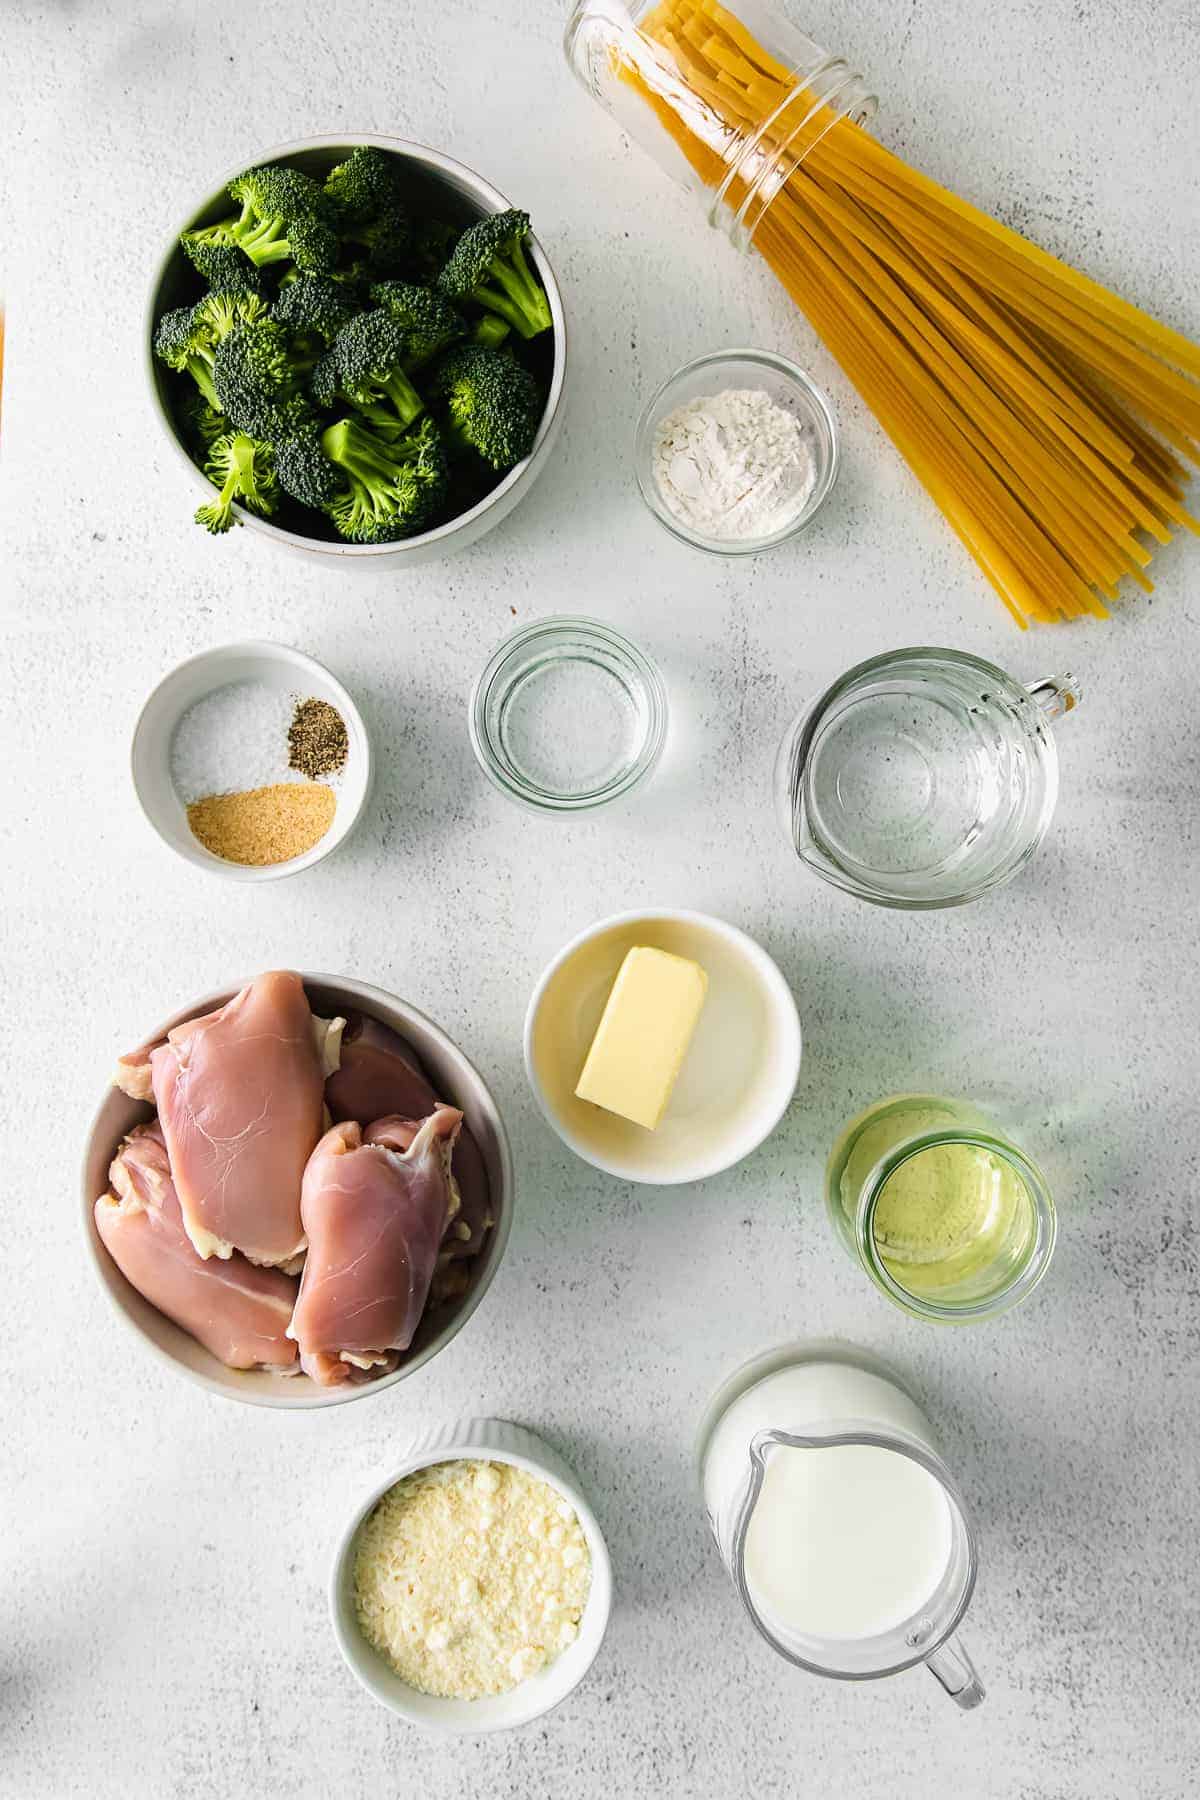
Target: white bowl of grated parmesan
(472,1588)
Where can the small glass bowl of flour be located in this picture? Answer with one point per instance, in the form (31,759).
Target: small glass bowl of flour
(737,452)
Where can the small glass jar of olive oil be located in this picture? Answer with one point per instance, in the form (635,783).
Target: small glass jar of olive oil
(949,1218)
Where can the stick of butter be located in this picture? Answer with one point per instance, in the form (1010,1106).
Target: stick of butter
(642,1038)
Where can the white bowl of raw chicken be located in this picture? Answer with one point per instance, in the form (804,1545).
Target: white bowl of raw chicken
(456,1082)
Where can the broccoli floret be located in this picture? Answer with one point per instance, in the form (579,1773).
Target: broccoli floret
(241,466)
(314,307)
(285,216)
(369,208)
(202,424)
(428,320)
(216,315)
(318,311)
(186,339)
(365,366)
(494,404)
(489,267)
(392,488)
(363,185)
(256,383)
(207,244)
(221,264)
(304,470)
(185,346)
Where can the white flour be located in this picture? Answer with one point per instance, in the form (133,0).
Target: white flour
(734,465)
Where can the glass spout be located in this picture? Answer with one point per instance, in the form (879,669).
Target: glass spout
(790,808)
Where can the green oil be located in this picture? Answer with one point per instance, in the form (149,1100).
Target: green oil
(954,1221)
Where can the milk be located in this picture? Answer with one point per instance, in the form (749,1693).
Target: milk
(847,1541)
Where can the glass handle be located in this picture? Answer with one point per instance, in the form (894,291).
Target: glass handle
(1057,695)
(956,1672)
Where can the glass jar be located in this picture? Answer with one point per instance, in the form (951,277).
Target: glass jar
(662,70)
(949,1218)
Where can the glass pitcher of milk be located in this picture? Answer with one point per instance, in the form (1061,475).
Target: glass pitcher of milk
(847,1540)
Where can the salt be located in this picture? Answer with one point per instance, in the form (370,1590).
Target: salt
(233,739)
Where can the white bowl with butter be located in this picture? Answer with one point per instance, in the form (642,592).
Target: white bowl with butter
(475,1441)
(739,1070)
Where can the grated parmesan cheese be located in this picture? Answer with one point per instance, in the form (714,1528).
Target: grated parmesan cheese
(471,1576)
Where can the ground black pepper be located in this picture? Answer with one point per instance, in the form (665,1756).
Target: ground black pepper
(317,740)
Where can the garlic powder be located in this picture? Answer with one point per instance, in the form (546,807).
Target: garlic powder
(471,1576)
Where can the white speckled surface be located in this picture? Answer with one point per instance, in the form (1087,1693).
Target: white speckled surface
(163,1555)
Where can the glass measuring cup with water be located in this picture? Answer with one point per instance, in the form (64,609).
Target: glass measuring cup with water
(846,1538)
(922,778)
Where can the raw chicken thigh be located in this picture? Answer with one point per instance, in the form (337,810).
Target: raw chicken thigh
(240,1095)
(398,1134)
(452,1274)
(379,1077)
(237,1311)
(378,1074)
(374,1217)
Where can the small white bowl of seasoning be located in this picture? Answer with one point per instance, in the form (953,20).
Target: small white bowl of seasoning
(481,1561)
(737,452)
(251,761)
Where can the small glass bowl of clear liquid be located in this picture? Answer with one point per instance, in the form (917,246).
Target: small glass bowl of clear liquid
(568,715)
(922,778)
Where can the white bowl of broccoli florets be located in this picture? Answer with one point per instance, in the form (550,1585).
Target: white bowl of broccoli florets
(357,346)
